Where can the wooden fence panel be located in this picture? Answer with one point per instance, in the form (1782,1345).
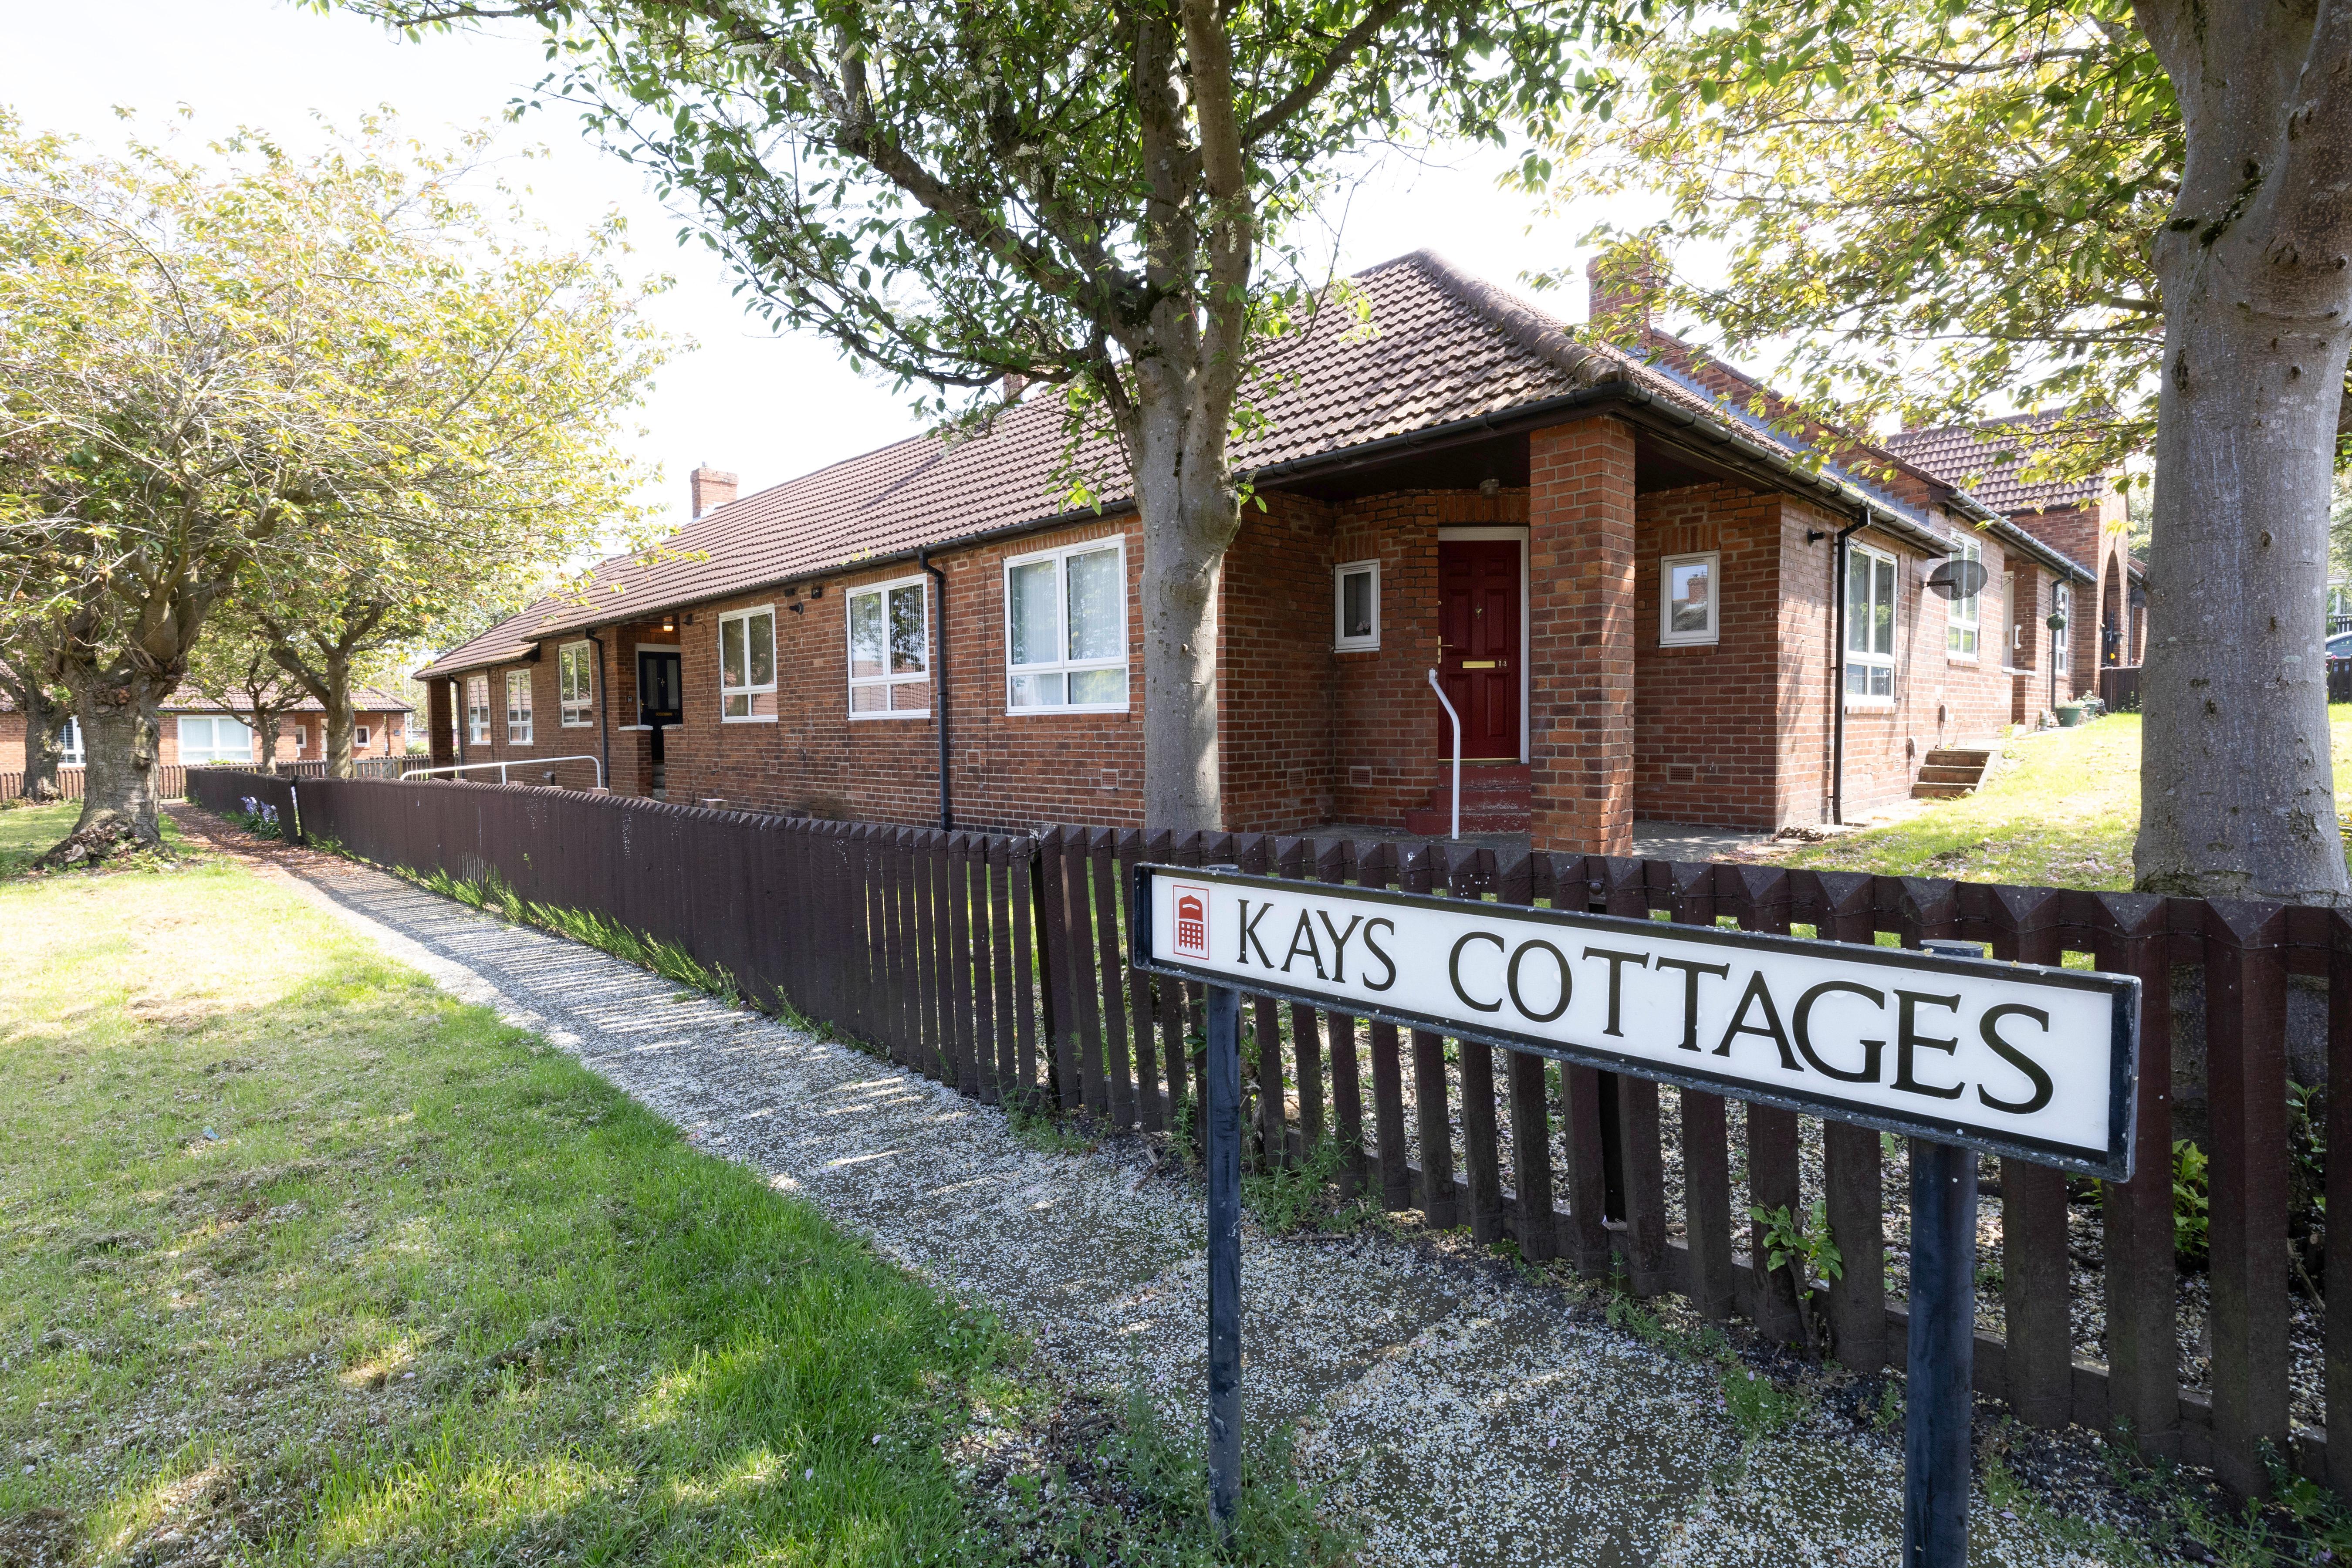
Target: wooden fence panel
(932,946)
(1142,1001)
(1118,1081)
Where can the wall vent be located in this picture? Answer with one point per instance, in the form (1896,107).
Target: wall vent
(1682,773)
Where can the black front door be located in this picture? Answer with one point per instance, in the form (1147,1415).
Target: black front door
(657,687)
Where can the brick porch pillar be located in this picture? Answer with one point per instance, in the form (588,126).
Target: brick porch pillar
(1581,636)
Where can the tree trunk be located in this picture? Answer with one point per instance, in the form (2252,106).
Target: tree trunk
(1189,519)
(122,739)
(44,749)
(2237,795)
(336,697)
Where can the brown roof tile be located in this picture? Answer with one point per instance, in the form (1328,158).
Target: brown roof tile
(1440,347)
(1985,460)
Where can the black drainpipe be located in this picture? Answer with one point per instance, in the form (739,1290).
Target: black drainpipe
(1838,551)
(939,680)
(457,716)
(603,709)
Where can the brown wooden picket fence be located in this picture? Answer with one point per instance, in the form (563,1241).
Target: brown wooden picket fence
(993,962)
(171,784)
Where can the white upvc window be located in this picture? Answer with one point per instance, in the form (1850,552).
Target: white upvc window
(747,666)
(1355,607)
(477,710)
(69,755)
(207,739)
(360,736)
(1066,630)
(519,707)
(1689,596)
(890,650)
(1870,581)
(575,684)
(1963,626)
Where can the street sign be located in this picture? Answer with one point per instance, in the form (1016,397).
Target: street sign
(2013,1059)
(1961,1054)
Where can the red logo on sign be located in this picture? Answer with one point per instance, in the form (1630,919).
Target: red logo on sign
(1193,921)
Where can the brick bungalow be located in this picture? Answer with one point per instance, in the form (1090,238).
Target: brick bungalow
(1630,586)
(197,730)
(2084,520)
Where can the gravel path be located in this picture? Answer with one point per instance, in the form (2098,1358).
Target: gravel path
(1460,1416)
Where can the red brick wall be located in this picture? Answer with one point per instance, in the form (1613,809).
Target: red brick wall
(1707,745)
(1277,675)
(1938,700)
(1389,740)
(2093,537)
(1581,599)
(1008,770)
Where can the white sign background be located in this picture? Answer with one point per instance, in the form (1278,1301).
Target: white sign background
(2018,1059)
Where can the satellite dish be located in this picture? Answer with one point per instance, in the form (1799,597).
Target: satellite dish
(1957,578)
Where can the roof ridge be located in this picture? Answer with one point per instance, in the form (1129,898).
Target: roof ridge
(1525,323)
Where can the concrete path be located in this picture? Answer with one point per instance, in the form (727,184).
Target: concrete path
(1460,1416)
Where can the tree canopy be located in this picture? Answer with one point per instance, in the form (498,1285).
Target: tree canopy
(1102,199)
(246,371)
(1928,207)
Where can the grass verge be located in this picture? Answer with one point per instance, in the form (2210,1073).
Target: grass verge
(301,1260)
(2060,812)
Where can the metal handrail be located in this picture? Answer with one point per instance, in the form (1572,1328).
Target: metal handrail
(589,758)
(1450,713)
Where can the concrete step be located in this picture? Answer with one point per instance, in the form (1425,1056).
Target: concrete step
(1925,790)
(1936,772)
(1958,756)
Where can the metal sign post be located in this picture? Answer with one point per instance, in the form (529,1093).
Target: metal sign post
(1224,1157)
(1936,1408)
(1961,1054)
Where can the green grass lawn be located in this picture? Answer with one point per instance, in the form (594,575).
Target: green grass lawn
(301,1260)
(2060,812)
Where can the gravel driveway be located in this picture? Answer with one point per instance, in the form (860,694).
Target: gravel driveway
(1461,1415)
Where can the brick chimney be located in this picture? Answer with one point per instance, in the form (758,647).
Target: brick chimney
(710,488)
(1619,284)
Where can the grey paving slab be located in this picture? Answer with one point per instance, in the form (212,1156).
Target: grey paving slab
(1457,1415)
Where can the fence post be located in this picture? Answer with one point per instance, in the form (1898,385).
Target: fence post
(2245,1087)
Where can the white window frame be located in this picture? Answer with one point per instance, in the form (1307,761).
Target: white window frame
(1340,641)
(2062,641)
(70,751)
(1964,618)
(574,712)
(1872,660)
(477,714)
(922,585)
(360,735)
(1712,632)
(210,749)
(1066,666)
(748,613)
(519,718)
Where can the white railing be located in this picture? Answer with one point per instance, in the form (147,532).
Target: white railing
(1450,713)
(516,762)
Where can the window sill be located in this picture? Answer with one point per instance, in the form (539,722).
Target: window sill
(741,719)
(1870,704)
(1692,642)
(579,723)
(1371,647)
(870,718)
(1071,709)
(1967,658)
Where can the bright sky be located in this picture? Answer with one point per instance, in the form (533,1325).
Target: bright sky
(767,406)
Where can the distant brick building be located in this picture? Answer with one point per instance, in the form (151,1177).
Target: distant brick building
(2106,621)
(196,730)
(1631,588)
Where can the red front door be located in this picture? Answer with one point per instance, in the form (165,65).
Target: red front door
(1478,623)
